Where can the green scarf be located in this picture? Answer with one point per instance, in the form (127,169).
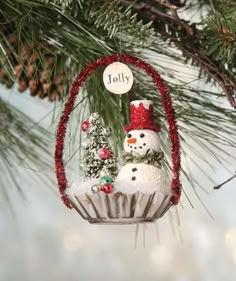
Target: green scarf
(151,157)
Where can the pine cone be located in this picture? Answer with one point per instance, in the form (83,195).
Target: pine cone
(34,67)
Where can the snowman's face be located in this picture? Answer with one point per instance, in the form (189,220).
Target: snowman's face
(141,140)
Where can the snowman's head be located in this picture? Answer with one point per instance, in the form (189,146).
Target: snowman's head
(141,140)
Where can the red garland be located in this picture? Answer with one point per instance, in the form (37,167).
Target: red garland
(166,103)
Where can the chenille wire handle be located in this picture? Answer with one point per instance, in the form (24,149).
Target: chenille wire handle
(166,103)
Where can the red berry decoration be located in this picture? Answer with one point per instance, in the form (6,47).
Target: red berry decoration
(107,188)
(104,153)
(85,126)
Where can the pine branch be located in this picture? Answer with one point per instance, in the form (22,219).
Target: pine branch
(186,37)
(107,15)
(116,20)
(23,144)
(33,66)
(228,180)
(220,38)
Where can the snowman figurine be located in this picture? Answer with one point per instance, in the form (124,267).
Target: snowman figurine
(142,155)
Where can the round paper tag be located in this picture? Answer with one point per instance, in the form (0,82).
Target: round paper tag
(118,78)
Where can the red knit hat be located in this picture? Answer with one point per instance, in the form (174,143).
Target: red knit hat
(141,116)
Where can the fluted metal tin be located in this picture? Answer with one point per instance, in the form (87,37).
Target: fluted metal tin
(121,208)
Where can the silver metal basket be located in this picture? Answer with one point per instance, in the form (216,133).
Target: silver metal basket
(121,208)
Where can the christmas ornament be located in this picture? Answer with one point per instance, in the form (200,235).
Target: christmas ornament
(105,179)
(95,188)
(105,185)
(85,126)
(104,153)
(107,132)
(107,188)
(97,156)
(110,202)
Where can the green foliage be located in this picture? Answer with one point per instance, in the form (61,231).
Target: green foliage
(111,16)
(22,144)
(220,38)
(118,21)
(16,138)
(79,31)
(66,5)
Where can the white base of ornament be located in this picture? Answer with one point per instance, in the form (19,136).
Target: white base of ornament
(79,186)
(118,207)
(155,181)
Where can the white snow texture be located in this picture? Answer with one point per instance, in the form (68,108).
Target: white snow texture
(148,179)
(145,103)
(79,186)
(141,177)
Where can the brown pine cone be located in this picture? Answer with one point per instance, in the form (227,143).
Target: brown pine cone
(44,76)
(40,92)
(18,70)
(46,88)
(23,85)
(25,52)
(53,95)
(30,70)
(34,68)
(49,61)
(58,79)
(2,74)
(33,87)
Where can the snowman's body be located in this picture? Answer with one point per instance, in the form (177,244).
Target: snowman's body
(142,177)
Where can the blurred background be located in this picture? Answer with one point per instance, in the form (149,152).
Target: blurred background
(44,44)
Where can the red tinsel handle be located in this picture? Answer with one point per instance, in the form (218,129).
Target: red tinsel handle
(167,105)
